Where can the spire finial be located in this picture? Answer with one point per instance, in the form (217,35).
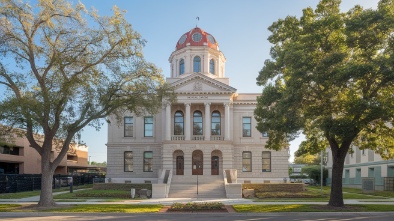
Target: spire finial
(197,20)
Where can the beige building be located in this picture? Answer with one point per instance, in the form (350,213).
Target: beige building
(364,165)
(20,158)
(210,130)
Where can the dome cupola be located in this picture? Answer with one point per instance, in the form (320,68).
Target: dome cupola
(197,51)
(197,37)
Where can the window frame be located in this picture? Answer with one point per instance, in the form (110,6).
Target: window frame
(183,122)
(181,67)
(244,158)
(250,126)
(145,126)
(215,123)
(265,158)
(125,125)
(148,161)
(194,122)
(197,64)
(212,66)
(124,161)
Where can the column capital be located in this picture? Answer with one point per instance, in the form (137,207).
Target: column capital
(207,104)
(187,104)
(226,104)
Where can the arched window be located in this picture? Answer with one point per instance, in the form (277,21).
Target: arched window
(215,123)
(211,66)
(178,123)
(197,123)
(181,67)
(197,64)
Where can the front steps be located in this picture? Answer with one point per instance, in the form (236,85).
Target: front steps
(185,186)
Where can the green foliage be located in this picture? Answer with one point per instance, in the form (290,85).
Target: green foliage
(307,159)
(194,206)
(330,76)
(314,172)
(121,186)
(65,68)
(103,164)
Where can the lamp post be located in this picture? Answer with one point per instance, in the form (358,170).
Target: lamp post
(323,159)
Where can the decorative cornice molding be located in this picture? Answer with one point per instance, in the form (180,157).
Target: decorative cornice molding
(200,77)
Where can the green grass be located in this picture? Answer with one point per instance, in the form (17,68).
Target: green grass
(19,195)
(26,194)
(109,208)
(8,207)
(314,194)
(310,208)
(95,194)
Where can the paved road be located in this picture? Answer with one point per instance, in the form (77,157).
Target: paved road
(198,217)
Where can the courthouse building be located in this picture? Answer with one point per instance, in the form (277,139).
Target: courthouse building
(209,131)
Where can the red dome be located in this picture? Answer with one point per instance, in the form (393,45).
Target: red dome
(197,37)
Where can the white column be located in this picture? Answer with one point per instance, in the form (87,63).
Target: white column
(187,122)
(227,121)
(168,121)
(207,121)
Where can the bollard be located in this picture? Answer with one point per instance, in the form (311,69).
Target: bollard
(132,192)
(71,184)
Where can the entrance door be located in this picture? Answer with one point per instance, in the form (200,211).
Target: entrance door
(215,165)
(179,165)
(197,162)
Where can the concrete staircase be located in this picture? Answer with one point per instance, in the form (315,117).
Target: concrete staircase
(185,186)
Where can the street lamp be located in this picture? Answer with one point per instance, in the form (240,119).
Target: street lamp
(323,159)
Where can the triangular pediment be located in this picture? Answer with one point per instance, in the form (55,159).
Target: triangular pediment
(201,84)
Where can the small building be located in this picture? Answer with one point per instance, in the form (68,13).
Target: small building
(360,164)
(19,158)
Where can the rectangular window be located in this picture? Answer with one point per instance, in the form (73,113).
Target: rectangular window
(128,161)
(266,161)
(148,158)
(264,134)
(246,126)
(148,126)
(128,126)
(246,161)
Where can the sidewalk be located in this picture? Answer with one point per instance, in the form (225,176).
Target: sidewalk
(169,201)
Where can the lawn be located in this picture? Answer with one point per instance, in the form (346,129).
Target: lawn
(248,208)
(20,195)
(86,208)
(95,194)
(315,194)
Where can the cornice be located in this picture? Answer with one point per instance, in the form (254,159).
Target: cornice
(210,81)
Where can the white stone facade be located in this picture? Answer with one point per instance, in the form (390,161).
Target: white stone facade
(210,129)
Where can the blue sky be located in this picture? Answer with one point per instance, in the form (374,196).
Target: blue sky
(239,26)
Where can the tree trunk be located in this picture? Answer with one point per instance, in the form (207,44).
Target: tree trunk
(46,198)
(338,156)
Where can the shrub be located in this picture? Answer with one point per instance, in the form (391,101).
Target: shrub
(193,206)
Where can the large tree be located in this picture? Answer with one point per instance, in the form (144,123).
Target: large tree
(331,76)
(65,68)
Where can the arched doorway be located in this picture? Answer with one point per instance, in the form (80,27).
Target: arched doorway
(216,158)
(179,162)
(197,162)
(214,165)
